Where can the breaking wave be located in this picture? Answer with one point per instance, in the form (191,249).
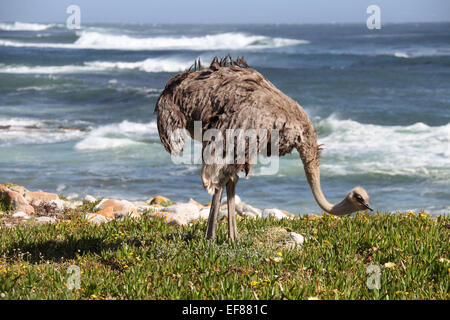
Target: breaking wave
(147,65)
(417,149)
(24,26)
(32,131)
(111,136)
(222,41)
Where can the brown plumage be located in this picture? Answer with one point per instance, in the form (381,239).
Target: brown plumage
(230,95)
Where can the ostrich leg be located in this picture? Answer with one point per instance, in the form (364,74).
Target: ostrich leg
(214,214)
(232,230)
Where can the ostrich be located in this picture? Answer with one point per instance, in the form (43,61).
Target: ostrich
(230,95)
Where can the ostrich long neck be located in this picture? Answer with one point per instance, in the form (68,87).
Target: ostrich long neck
(313,175)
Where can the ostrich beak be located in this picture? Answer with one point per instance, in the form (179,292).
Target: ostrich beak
(368,206)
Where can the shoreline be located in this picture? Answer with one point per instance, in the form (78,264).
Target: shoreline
(18,205)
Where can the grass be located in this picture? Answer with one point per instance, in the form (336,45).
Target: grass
(5,206)
(148,259)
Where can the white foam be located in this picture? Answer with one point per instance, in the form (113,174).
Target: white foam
(116,135)
(20,122)
(20,69)
(24,26)
(22,131)
(401,55)
(147,65)
(416,149)
(222,41)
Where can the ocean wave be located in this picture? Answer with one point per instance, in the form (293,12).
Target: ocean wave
(24,26)
(111,136)
(15,131)
(222,41)
(147,65)
(401,55)
(417,149)
(21,69)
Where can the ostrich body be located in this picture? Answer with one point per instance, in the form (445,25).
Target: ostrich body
(230,95)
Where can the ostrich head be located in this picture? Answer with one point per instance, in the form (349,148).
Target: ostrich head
(358,199)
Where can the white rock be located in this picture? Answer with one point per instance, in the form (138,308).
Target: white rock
(297,238)
(223,214)
(248,208)
(204,213)
(88,198)
(61,205)
(72,204)
(97,219)
(170,217)
(57,204)
(21,214)
(249,214)
(237,200)
(188,211)
(45,220)
(121,208)
(274,213)
(142,206)
(132,215)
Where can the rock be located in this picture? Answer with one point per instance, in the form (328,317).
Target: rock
(134,215)
(42,220)
(243,207)
(199,205)
(88,199)
(274,213)
(223,214)
(107,212)
(170,217)
(179,214)
(290,215)
(15,200)
(237,200)
(142,206)
(157,200)
(297,239)
(121,208)
(97,219)
(19,189)
(56,205)
(249,214)
(21,214)
(188,211)
(31,196)
(204,213)
(72,204)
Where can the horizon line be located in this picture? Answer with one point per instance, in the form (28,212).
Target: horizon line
(222,23)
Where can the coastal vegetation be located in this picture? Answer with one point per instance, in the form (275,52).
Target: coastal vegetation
(148,258)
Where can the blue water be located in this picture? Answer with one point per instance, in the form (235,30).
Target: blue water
(380,100)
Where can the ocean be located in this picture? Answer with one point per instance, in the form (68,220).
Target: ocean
(77,109)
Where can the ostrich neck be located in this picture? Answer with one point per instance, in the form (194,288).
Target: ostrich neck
(313,176)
